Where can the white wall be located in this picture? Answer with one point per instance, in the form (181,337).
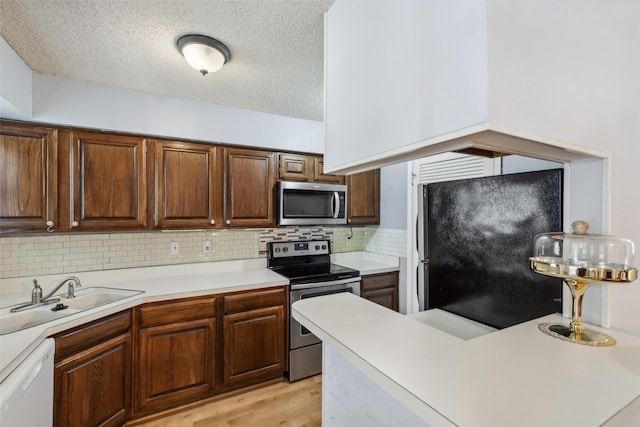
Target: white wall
(25,95)
(72,102)
(393,196)
(15,84)
(398,72)
(569,71)
(517,164)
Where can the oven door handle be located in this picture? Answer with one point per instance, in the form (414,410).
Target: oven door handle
(321,284)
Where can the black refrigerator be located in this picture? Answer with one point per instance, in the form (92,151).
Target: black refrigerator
(475,237)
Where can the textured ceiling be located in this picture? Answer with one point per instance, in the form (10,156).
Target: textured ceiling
(276,47)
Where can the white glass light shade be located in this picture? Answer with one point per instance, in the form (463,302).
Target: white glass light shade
(203,53)
(203,58)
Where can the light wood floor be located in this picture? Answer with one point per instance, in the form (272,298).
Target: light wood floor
(295,404)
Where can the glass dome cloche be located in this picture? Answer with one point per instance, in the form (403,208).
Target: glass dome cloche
(580,259)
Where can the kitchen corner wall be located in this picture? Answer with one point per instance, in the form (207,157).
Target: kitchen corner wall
(70,253)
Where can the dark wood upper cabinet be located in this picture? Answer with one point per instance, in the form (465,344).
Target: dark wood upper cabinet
(300,167)
(294,167)
(320,176)
(28,178)
(68,179)
(186,185)
(107,183)
(249,188)
(363,200)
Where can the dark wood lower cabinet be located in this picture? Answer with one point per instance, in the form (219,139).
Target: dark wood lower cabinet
(381,289)
(175,353)
(254,345)
(254,335)
(183,355)
(176,363)
(92,376)
(168,354)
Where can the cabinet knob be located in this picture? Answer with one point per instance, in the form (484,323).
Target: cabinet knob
(50,226)
(228,221)
(213,221)
(74,224)
(349,220)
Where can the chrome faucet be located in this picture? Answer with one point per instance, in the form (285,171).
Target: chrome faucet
(36,294)
(70,294)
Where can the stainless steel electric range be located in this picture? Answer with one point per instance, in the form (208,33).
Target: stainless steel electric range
(307,265)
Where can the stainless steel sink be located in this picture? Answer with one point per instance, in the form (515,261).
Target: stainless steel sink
(89,298)
(85,299)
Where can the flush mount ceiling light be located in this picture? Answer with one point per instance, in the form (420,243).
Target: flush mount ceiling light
(203,53)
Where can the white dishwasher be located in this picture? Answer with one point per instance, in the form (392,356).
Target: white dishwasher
(26,395)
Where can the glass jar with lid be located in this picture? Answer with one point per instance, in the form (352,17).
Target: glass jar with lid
(580,259)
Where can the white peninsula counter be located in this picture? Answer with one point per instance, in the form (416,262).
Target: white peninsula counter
(382,368)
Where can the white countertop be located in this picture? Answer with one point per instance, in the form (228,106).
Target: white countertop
(517,376)
(158,284)
(367,262)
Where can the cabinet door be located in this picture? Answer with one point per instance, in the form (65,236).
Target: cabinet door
(175,364)
(107,182)
(320,176)
(249,188)
(185,185)
(381,289)
(93,387)
(386,297)
(28,177)
(254,346)
(363,199)
(294,167)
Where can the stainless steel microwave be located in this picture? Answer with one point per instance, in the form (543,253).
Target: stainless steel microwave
(307,203)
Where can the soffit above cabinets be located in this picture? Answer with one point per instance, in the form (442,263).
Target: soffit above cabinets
(538,79)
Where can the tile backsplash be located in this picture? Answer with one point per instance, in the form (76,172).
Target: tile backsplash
(70,253)
(386,241)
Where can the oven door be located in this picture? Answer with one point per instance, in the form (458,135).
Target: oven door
(299,336)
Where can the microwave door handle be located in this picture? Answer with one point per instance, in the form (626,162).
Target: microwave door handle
(336,204)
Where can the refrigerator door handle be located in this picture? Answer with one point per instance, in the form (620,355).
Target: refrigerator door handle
(421,245)
(418,286)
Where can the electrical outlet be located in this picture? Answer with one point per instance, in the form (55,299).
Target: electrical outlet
(347,240)
(206,247)
(175,248)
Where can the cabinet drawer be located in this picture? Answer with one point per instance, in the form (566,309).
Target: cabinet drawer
(253,300)
(377,281)
(176,311)
(85,336)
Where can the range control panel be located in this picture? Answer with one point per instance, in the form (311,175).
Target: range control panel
(301,248)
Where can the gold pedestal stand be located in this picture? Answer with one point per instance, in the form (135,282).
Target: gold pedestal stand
(578,280)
